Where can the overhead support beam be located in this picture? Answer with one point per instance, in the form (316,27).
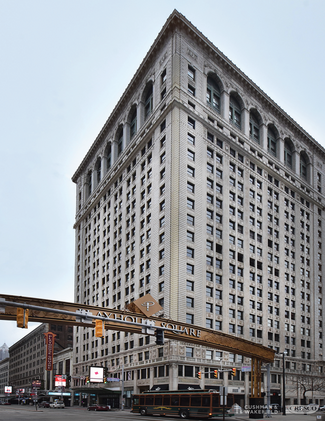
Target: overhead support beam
(50,311)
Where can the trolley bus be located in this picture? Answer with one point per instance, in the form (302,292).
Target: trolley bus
(185,404)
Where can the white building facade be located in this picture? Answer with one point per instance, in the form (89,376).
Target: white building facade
(203,192)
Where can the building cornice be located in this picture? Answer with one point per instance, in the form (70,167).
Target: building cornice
(175,22)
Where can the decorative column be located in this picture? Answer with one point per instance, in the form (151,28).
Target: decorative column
(280,155)
(296,162)
(245,121)
(263,136)
(225,105)
(173,376)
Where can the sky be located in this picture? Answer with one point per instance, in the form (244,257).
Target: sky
(64,64)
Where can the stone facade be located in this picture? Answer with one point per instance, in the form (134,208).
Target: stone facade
(4,378)
(27,356)
(202,191)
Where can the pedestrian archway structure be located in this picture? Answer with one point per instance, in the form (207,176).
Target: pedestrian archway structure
(50,311)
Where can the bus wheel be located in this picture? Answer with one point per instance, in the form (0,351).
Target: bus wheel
(183,414)
(143,411)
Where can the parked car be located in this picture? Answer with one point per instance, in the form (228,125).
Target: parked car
(57,404)
(97,407)
(44,404)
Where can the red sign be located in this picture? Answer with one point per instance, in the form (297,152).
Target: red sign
(49,340)
(60,380)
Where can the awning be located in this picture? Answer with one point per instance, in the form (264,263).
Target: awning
(97,390)
(160,387)
(184,386)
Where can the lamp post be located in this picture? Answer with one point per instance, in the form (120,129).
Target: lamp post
(283,384)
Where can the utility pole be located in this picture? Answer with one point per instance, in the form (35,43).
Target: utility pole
(122,403)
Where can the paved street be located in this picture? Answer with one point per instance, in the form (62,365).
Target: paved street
(28,413)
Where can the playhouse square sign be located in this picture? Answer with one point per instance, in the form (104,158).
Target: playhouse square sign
(175,328)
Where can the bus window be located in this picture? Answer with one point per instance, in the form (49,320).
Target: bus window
(196,400)
(149,400)
(215,400)
(141,400)
(175,400)
(166,400)
(185,401)
(135,400)
(205,400)
(158,400)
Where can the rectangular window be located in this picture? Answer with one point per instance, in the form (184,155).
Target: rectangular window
(191,155)
(190,203)
(191,122)
(190,187)
(210,168)
(190,138)
(190,252)
(191,72)
(190,220)
(190,171)
(190,236)
(191,89)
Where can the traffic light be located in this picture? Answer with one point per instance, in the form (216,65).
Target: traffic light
(22,317)
(105,380)
(199,375)
(87,379)
(99,329)
(216,374)
(233,372)
(159,336)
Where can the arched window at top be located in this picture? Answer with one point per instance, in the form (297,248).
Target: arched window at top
(89,184)
(98,169)
(272,141)
(213,93)
(109,156)
(235,111)
(254,126)
(303,165)
(120,141)
(133,122)
(148,101)
(288,153)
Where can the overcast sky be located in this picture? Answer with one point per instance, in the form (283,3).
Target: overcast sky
(63,66)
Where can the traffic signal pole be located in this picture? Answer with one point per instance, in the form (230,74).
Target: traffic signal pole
(224,404)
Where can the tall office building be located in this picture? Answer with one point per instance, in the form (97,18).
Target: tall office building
(202,191)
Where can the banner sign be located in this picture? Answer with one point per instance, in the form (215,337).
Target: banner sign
(49,340)
(8,389)
(96,374)
(36,384)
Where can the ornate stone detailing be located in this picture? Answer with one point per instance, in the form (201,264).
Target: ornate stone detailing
(163,59)
(192,54)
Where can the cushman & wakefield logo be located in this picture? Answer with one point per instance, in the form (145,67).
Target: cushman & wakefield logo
(290,409)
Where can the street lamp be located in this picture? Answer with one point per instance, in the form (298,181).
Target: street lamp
(283,383)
